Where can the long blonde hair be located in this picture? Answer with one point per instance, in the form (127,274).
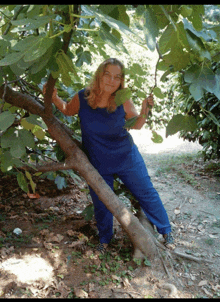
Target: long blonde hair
(93,92)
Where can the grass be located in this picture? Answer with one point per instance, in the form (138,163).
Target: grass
(170,164)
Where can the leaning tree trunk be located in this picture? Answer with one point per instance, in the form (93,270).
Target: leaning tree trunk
(77,160)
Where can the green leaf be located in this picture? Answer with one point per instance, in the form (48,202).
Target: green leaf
(177,58)
(27,138)
(83,57)
(31,24)
(41,62)
(186,11)
(26,124)
(196,16)
(181,122)
(196,91)
(88,212)
(17,149)
(60,182)
(38,132)
(151,29)
(64,68)
(26,43)
(130,122)
(191,72)
(6,120)
(156,138)
(157,92)
(113,23)
(7,138)
(214,119)
(122,96)
(197,45)
(36,120)
(32,183)
(38,49)
(202,78)
(6,161)
(136,69)
(11,58)
(22,182)
(111,40)
(168,39)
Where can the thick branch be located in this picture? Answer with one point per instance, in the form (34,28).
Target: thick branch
(21,100)
(28,103)
(48,96)
(50,167)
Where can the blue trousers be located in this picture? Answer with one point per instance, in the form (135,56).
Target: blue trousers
(133,173)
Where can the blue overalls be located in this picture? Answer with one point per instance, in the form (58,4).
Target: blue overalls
(111,150)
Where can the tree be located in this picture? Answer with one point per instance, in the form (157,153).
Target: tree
(51,43)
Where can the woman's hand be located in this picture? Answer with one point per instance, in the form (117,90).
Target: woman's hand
(148,103)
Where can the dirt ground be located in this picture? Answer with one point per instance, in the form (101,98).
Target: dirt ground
(54,255)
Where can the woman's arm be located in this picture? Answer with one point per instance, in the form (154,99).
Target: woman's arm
(70,108)
(131,111)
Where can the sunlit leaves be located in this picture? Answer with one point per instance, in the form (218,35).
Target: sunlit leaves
(197,45)
(122,96)
(66,67)
(30,24)
(181,122)
(156,138)
(202,78)
(157,92)
(83,56)
(151,29)
(30,49)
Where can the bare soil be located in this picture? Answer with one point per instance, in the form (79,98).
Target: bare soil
(54,255)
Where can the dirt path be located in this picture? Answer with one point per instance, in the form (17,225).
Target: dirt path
(54,256)
(192,200)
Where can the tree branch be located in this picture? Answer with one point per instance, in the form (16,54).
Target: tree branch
(49,167)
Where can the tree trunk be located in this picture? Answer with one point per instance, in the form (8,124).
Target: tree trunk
(76,159)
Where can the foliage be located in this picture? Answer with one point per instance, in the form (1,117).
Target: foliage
(31,49)
(206,113)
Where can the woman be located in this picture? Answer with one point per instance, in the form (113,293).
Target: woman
(110,147)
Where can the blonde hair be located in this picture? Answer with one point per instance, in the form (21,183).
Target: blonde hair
(93,92)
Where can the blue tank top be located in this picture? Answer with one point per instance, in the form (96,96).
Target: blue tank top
(104,139)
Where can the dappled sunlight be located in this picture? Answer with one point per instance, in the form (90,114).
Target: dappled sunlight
(29,268)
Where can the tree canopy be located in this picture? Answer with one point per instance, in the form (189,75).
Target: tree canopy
(61,44)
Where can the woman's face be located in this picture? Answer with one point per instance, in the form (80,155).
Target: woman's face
(111,79)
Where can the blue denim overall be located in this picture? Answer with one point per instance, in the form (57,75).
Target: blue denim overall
(111,150)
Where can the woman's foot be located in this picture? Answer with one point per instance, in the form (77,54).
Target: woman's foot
(102,248)
(169,241)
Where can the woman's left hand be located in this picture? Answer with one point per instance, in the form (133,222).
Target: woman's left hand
(148,103)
